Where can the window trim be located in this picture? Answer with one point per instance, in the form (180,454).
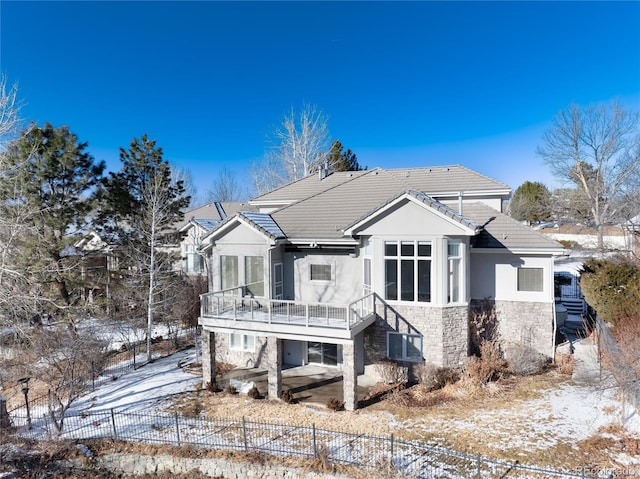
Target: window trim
(404,339)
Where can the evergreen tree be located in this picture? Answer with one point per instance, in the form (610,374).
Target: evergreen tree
(141,202)
(47,193)
(531,202)
(343,160)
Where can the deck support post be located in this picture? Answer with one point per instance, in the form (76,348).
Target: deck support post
(208,358)
(274,361)
(349,376)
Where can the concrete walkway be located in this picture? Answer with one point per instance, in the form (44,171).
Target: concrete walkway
(588,368)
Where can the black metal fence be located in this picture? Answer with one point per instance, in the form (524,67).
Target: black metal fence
(411,459)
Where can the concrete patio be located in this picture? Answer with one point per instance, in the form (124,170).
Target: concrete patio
(311,383)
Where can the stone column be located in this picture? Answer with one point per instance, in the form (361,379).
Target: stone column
(208,358)
(274,362)
(349,376)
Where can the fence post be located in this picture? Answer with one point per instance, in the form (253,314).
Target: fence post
(479,476)
(93,375)
(315,448)
(391,447)
(244,434)
(113,424)
(177,429)
(134,356)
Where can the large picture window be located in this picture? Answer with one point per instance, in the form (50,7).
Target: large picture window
(531,279)
(228,271)
(407,270)
(254,275)
(404,347)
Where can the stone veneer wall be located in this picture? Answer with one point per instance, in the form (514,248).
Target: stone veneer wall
(445,332)
(252,359)
(527,323)
(137,464)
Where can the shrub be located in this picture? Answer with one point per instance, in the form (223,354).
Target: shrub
(254,393)
(212,387)
(287,396)
(335,404)
(431,377)
(612,288)
(483,325)
(389,371)
(565,363)
(490,366)
(524,360)
(230,389)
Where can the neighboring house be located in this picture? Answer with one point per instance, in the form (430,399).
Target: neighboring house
(351,268)
(98,261)
(195,225)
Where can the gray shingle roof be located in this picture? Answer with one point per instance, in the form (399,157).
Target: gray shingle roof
(308,186)
(432,180)
(502,231)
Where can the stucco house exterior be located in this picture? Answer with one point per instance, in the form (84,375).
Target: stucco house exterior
(347,269)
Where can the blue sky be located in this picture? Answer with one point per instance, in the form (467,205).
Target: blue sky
(403,83)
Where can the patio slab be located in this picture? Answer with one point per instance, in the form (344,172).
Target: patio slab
(311,383)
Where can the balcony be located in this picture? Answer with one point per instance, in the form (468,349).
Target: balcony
(233,309)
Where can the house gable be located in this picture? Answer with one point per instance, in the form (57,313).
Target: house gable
(413,214)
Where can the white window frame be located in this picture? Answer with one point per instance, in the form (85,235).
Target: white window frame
(454,268)
(244,342)
(327,265)
(526,288)
(416,258)
(404,338)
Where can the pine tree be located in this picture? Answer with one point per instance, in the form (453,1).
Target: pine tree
(47,191)
(343,161)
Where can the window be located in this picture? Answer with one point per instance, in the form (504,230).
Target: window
(254,275)
(242,342)
(228,271)
(530,279)
(320,272)
(407,270)
(278,289)
(192,262)
(404,347)
(454,260)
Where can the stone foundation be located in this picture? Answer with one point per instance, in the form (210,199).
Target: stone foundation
(526,323)
(445,332)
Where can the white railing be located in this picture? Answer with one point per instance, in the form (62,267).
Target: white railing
(227,306)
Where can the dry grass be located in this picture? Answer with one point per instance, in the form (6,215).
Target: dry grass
(510,413)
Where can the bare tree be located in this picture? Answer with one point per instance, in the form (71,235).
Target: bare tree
(598,150)
(184,176)
(224,187)
(297,146)
(64,362)
(9,110)
(142,202)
